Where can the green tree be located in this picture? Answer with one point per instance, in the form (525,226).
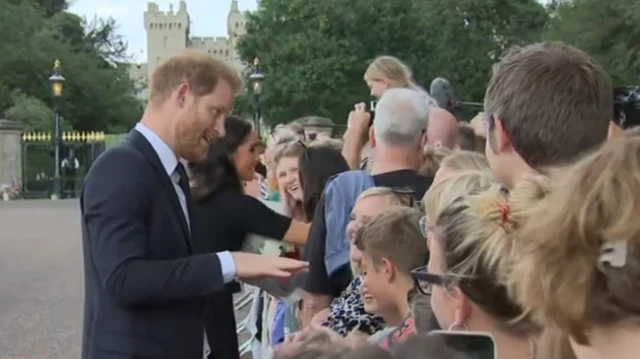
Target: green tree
(462,39)
(607,30)
(314,53)
(98,93)
(34,114)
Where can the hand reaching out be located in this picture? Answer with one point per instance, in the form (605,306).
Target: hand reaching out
(254,266)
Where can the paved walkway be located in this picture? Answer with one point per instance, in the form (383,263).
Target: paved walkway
(41,280)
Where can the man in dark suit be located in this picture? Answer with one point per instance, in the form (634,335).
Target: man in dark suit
(147,281)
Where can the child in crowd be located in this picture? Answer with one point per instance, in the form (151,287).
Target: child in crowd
(392,245)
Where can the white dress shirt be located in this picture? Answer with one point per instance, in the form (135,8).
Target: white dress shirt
(169,161)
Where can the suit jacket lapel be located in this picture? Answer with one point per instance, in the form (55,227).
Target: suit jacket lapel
(140,142)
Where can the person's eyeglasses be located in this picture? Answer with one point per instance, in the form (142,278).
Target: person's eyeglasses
(423,226)
(424,281)
(488,121)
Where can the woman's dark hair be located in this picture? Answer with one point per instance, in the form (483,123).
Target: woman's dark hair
(316,166)
(217,172)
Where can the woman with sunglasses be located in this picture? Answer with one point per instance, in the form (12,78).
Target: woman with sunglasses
(470,246)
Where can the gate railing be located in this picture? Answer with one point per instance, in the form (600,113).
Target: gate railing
(38,162)
(239,304)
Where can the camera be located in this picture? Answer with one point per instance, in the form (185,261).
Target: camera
(626,113)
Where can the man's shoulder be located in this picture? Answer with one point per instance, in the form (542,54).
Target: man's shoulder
(352,176)
(122,166)
(404,179)
(119,157)
(118,176)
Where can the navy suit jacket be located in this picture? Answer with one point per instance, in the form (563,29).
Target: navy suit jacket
(146,281)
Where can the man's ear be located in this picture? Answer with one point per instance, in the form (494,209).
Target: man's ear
(372,137)
(502,139)
(387,269)
(182,93)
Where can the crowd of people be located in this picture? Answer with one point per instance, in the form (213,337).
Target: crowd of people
(517,224)
(409,235)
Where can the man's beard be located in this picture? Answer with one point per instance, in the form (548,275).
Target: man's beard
(190,139)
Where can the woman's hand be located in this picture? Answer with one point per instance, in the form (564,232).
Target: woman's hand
(287,202)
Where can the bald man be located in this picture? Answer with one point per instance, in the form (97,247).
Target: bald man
(443,129)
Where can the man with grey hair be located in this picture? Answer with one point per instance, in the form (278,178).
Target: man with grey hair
(397,137)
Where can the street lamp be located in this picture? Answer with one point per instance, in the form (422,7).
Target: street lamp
(256,78)
(57,86)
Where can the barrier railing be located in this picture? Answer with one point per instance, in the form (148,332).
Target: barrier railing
(240,303)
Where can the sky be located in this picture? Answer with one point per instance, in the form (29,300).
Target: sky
(208,17)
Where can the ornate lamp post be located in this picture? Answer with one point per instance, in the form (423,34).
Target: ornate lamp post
(57,86)
(256,79)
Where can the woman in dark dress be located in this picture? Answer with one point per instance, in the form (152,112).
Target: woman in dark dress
(225,215)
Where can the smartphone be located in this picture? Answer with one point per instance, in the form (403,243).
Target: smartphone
(470,345)
(372,110)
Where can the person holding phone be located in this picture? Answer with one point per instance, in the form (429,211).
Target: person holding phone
(470,245)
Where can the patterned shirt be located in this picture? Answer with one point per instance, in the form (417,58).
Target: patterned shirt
(347,313)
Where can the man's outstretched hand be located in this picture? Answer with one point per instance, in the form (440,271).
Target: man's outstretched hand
(255,266)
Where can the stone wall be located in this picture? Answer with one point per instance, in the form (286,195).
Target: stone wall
(10,152)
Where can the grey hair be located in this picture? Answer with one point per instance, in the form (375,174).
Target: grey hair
(402,116)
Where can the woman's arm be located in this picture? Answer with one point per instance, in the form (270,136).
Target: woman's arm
(257,218)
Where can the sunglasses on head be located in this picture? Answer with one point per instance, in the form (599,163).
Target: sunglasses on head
(424,281)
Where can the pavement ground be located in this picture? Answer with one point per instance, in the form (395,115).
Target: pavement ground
(41,280)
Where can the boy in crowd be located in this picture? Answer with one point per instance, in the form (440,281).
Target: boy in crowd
(392,245)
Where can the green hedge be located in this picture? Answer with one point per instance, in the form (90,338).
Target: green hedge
(112,140)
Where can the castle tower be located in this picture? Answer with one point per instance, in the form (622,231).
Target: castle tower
(236,28)
(167,33)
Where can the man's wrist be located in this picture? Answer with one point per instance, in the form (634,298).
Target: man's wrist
(228,266)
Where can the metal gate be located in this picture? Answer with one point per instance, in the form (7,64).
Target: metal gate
(78,149)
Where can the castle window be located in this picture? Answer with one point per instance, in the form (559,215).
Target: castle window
(169,26)
(158,60)
(164,41)
(179,26)
(226,52)
(237,25)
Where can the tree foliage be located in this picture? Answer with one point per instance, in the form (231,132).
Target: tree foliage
(314,53)
(607,30)
(33,113)
(97,94)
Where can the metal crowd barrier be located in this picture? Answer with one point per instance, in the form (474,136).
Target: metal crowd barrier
(239,304)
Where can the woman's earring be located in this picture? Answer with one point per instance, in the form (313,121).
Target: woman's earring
(459,322)
(459,327)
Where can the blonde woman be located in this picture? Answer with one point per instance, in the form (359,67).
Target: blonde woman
(461,161)
(435,201)
(470,247)
(577,264)
(385,72)
(279,137)
(286,169)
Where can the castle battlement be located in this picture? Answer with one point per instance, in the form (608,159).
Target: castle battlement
(168,33)
(210,39)
(154,9)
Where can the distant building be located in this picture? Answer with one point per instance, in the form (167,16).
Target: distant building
(168,33)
